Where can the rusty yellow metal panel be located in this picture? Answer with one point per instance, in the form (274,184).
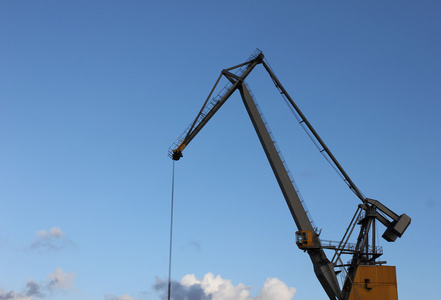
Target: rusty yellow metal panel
(304,239)
(375,283)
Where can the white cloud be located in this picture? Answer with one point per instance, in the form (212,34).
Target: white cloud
(54,232)
(212,287)
(219,288)
(61,280)
(123,297)
(274,288)
(13,296)
(54,239)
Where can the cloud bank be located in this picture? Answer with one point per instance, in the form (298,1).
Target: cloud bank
(212,287)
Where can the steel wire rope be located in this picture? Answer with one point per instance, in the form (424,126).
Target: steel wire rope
(314,140)
(171,231)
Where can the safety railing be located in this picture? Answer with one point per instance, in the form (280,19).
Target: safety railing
(350,248)
(288,171)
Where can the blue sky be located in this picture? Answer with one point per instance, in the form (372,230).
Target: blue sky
(92,94)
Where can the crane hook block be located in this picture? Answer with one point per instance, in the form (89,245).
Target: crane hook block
(177,155)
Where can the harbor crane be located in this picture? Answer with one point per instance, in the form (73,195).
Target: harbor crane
(365,277)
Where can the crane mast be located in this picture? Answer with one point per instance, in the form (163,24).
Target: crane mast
(307,236)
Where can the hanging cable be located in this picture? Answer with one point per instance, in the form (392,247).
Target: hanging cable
(171,232)
(313,135)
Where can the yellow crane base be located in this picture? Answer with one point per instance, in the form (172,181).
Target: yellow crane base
(375,283)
